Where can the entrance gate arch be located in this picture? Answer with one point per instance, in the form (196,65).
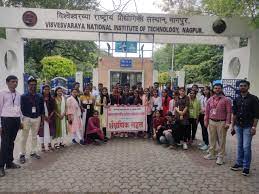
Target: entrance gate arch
(33,23)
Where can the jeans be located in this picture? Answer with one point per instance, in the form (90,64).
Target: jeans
(244,153)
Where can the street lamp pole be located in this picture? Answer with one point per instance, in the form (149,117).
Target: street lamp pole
(172,66)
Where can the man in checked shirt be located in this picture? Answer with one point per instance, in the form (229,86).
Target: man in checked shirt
(217,118)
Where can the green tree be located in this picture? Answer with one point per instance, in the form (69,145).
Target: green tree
(222,8)
(192,74)
(163,77)
(207,58)
(54,66)
(163,58)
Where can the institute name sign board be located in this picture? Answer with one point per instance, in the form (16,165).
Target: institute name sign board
(97,21)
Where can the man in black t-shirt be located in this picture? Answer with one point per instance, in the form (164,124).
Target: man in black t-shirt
(244,123)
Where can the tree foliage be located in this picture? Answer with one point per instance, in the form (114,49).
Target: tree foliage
(55,66)
(205,60)
(52,4)
(163,77)
(222,8)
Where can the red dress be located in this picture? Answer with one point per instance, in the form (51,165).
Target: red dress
(158,121)
(165,105)
(93,126)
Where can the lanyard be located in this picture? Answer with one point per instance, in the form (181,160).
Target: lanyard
(215,103)
(13,98)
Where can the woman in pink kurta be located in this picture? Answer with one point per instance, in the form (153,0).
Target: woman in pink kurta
(74,117)
(93,130)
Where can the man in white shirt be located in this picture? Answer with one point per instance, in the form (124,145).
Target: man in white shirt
(10,112)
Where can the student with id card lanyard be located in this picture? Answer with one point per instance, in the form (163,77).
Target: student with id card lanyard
(87,102)
(32,107)
(10,123)
(218,118)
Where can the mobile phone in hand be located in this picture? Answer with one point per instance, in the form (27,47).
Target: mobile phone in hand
(233,132)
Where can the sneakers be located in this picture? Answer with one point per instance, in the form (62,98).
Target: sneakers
(204,147)
(13,166)
(2,172)
(185,147)
(35,156)
(236,167)
(245,172)
(74,141)
(82,142)
(209,157)
(22,159)
(201,144)
(219,161)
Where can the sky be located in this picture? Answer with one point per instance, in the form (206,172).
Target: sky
(143,6)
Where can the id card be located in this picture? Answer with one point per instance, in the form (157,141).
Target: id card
(14,109)
(88,107)
(214,111)
(33,110)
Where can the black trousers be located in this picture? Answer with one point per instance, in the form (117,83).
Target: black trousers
(149,125)
(205,135)
(93,136)
(193,128)
(10,127)
(159,133)
(181,132)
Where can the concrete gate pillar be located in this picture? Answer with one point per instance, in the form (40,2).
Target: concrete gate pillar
(241,63)
(12,58)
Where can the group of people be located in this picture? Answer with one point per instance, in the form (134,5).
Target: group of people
(172,118)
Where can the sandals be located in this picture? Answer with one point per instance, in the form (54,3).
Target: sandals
(43,148)
(62,145)
(50,147)
(56,146)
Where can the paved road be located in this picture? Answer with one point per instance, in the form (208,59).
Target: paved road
(131,165)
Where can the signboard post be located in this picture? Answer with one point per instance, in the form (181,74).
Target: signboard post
(126,118)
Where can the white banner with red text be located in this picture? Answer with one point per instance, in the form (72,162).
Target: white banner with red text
(126,118)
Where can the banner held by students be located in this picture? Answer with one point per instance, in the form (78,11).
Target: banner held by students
(126,118)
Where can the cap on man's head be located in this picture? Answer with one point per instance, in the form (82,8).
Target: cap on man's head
(31,79)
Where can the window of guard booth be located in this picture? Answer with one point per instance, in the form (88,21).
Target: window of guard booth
(124,77)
